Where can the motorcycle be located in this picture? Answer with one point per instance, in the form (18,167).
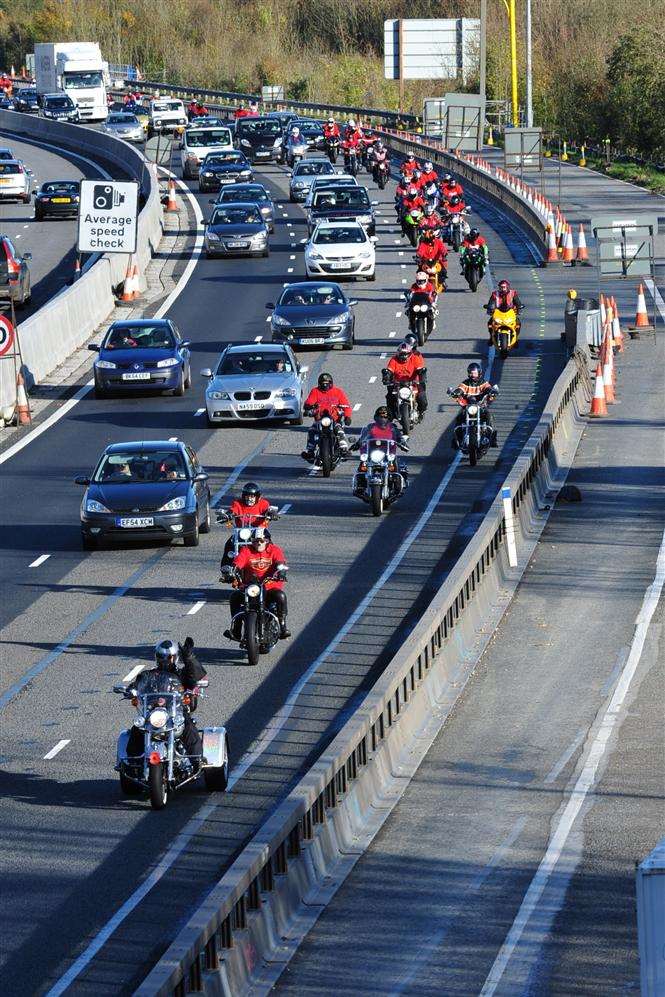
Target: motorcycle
(420,312)
(505,329)
(164,765)
(379,480)
(474,266)
(402,397)
(259,625)
(474,437)
(327,451)
(295,153)
(331,148)
(351,160)
(431,193)
(410,225)
(435,272)
(457,229)
(381,173)
(243,533)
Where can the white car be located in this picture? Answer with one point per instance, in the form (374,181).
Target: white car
(167,113)
(340,249)
(15,181)
(197,142)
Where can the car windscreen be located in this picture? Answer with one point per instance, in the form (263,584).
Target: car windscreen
(240,193)
(224,159)
(8,168)
(312,168)
(167,105)
(59,102)
(139,337)
(207,136)
(132,468)
(236,216)
(82,80)
(61,187)
(122,119)
(6,154)
(312,296)
(347,197)
(309,128)
(246,364)
(332,236)
(258,127)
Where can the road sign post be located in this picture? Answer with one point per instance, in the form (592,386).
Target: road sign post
(108,216)
(626,247)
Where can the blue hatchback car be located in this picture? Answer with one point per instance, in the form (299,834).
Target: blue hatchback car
(140,354)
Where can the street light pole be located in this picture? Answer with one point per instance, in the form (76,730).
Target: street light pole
(483,49)
(510,10)
(529,79)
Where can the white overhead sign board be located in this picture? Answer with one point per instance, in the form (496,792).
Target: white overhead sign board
(108,216)
(434,48)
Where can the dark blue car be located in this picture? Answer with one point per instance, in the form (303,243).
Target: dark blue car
(140,354)
(155,490)
(316,313)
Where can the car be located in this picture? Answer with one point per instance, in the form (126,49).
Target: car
(15,181)
(6,152)
(124,125)
(342,249)
(313,314)
(57,198)
(236,229)
(221,168)
(197,142)
(254,192)
(342,204)
(26,101)
(147,490)
(167,114)
(258,138)
(14,273)
(136,354)
(58,107)
(284,117)
(6,103)
(143,115)
(303,176)
(254,381)
(327,182)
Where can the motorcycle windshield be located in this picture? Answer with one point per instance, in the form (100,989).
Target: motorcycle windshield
(387,449)
(505,318)
(419,298)
(155,682)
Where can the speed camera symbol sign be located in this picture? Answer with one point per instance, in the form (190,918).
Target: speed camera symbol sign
(108,216)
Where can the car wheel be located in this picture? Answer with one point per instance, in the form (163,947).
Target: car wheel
(205,525)
(188,379)
(87,542)
(39,217)
(292,199)
(180,390)
(372,276)
(100,392)
(351,343)
(192,540)
(211,423)
(26,198)
(298,421)
(265,253)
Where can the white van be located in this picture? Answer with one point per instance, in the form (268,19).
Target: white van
(167,113)
(198,142)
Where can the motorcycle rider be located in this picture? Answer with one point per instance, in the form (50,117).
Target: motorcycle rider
(196,109)
(474,240)
(353,130)
(180,661)
(249,510)
(432,250)
(412,201)
(351,141)
(475,386)
(449,187)
(331,130)
(254,563)
(431,219)
(429,173)
(406,367)
(327,399)
(409,165)
(504,298)
(295,139)
(423,285)
(381,155)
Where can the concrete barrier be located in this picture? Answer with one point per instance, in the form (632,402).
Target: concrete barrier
(247,928)
(65,322)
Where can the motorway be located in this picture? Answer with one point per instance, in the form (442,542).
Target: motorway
(52,242)
(77,623)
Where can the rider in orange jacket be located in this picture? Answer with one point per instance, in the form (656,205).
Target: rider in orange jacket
(327,399)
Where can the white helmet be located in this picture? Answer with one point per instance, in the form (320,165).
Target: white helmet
(295,132)
(352,123)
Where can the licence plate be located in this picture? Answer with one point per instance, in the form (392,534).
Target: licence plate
(238,245)
(136,377)
(226,180)
(263,153)
(341,266)
(61,200)
(312,342)
(5,180)
(249,406)
(134,522)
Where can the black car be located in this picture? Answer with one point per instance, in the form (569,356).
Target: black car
(221,168)
(254,192)
(59,107)
(236,229)
(256,137)
(26,101)
(342,204)
(316,313)
(6,103)
(57,199)
(155,490)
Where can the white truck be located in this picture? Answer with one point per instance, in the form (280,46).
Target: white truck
(78,69)
(651,921)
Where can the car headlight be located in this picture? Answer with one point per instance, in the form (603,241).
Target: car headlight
(299,186)
(265,210)
(280,320)
(105,364)
(365,256)
(158,718)
(206,173)
(169,362)
(377,456)
(218,395)
(245,173)
(364,219)
(243,141)
(472,409)
(212,237)
(286,393)
(336,320)
(93,506)
(259,237)
(313,255)
(191,158)
(173,505)
(252,591)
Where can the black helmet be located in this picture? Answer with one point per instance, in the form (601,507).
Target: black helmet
(473,233)
(260,537)
(474,370)
(166,655)
(381,415)
(455,200)
(251,490)
(325,381)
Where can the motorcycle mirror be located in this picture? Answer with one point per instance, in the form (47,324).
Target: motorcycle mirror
(282,567)
(449,389)
(206,372)
(119,688)
(202,683)
(273,510)
(495,387)
(270,304)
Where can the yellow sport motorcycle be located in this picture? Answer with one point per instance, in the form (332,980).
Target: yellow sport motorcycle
(504,330)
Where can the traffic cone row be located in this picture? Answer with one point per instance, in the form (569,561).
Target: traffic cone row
(131,289)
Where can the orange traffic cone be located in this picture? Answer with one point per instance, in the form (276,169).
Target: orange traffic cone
(171,204)
(617,334)
(568,248)
(582,251)
(641,315)
(551,245)
(130,287)
(22,406)
(607,360)
(598,406)
(77,268)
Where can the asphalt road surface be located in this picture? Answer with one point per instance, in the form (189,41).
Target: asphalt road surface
(80,854)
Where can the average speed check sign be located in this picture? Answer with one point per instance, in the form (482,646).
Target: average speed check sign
(108,216)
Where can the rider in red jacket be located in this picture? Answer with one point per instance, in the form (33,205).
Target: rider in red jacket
(331,129)
(423,285)
(326,399)
(250,510)
(432,250)
(450,186)
(260,559)
(429,174)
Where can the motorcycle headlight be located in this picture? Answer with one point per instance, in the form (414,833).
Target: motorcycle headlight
(286,393)
(326,421)
(219,395)
(105,364)
(169,362)
(245,533)
(472,409)
(405,392)
(252,591)
(93,506)
(158,718)
(377,456)
(280,320)
(173,505)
